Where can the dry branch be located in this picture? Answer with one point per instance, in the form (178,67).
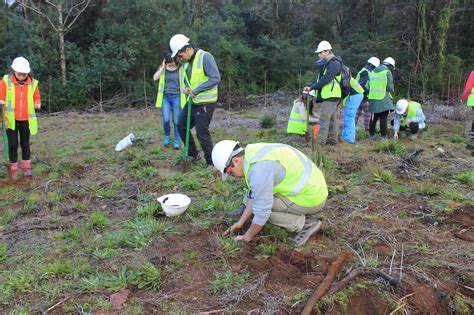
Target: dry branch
(326,283)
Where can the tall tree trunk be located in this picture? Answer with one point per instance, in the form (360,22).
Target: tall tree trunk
(62,54)
(370,16)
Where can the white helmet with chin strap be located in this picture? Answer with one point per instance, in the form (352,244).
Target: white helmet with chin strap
(222,154)
(21,65)
(177,42)
(374,61)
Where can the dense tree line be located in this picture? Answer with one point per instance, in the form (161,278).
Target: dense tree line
(113,47)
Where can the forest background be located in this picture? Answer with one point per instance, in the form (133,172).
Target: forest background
(86,52)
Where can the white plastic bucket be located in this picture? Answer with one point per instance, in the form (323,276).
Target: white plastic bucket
(174,204)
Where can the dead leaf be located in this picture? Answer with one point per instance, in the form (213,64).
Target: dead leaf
(174,188)
(119,298)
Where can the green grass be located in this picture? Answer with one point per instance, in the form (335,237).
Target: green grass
(466,178)
(225,282)
(98,220)
(381,175)
(266,251)
(390,146)
(229,245)
(147,276)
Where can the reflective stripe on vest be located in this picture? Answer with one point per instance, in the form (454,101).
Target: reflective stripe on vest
(360,73)
(11,103)
(161,88)
(198,76)
(356,86)
(304,183)
(296,124)
(412,108)
(332,89)
(470,98)
(377,85)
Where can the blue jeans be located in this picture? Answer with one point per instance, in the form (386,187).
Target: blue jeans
(171,105)
(350,111)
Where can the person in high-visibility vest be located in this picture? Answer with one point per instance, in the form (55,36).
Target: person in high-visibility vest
(20,96)
(284,187)
(170,98)
(380,98)
(363,78)
(351,103)
(468,97)
(328,92)
(202,78)
(409,117)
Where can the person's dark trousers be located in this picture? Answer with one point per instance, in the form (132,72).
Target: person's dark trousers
(413,127)
(383,123)
(201,116)
(364,108)
(22,128)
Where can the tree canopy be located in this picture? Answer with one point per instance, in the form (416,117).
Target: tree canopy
(114,46)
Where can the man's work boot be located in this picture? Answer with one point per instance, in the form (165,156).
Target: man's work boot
(26,167)
(13,171)
(311,226)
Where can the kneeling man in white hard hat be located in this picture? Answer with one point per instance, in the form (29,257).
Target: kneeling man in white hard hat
(409,117)
(285,187)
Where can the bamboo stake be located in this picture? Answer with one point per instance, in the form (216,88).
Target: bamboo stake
(229,97)
(265,90)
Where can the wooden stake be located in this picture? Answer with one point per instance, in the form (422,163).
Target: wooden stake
(144,87)
(49,95)
(101,110)
(229,97)
(265,90)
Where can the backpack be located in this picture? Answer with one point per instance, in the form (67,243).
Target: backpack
(345,82)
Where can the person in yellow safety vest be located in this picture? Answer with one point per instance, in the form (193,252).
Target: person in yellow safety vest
(409,117)
(285,187)
(20,96)
(380,100)
(170,97)
(298,122)
(202,77)
(328,92)
(468,97)
(363,78)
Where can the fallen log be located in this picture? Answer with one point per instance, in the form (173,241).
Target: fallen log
(326,283)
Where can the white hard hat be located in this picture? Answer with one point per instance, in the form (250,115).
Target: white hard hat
(311,93)
(222,154)
(374,61)
(401,106)
(177,42)
(324,45)
(21,65)
(389,61)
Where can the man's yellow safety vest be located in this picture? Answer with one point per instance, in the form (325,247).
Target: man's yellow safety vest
(332,89)
(412,108)
(161,88)
(10,103)
(304,183)
(198,77)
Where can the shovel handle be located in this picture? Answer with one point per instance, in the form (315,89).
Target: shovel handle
(5,140)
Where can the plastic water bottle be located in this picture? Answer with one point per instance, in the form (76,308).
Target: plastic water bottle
(125,142)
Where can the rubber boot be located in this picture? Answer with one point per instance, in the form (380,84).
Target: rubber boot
(26,167)
(13,171)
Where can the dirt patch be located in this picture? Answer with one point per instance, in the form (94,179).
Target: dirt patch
(428,300)
(361,303)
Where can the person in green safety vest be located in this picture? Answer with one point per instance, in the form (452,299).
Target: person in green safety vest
(363,78)
(409,117)
(20,96)
(202,78)
(380,97)
(284,187)
(170,98)
(328,92)
(468,97)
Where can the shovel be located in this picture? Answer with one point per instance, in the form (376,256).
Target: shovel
(5,143)
(307,134)
(185,163)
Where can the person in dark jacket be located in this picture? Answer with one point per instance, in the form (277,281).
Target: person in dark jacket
(363,77)
(328,92)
